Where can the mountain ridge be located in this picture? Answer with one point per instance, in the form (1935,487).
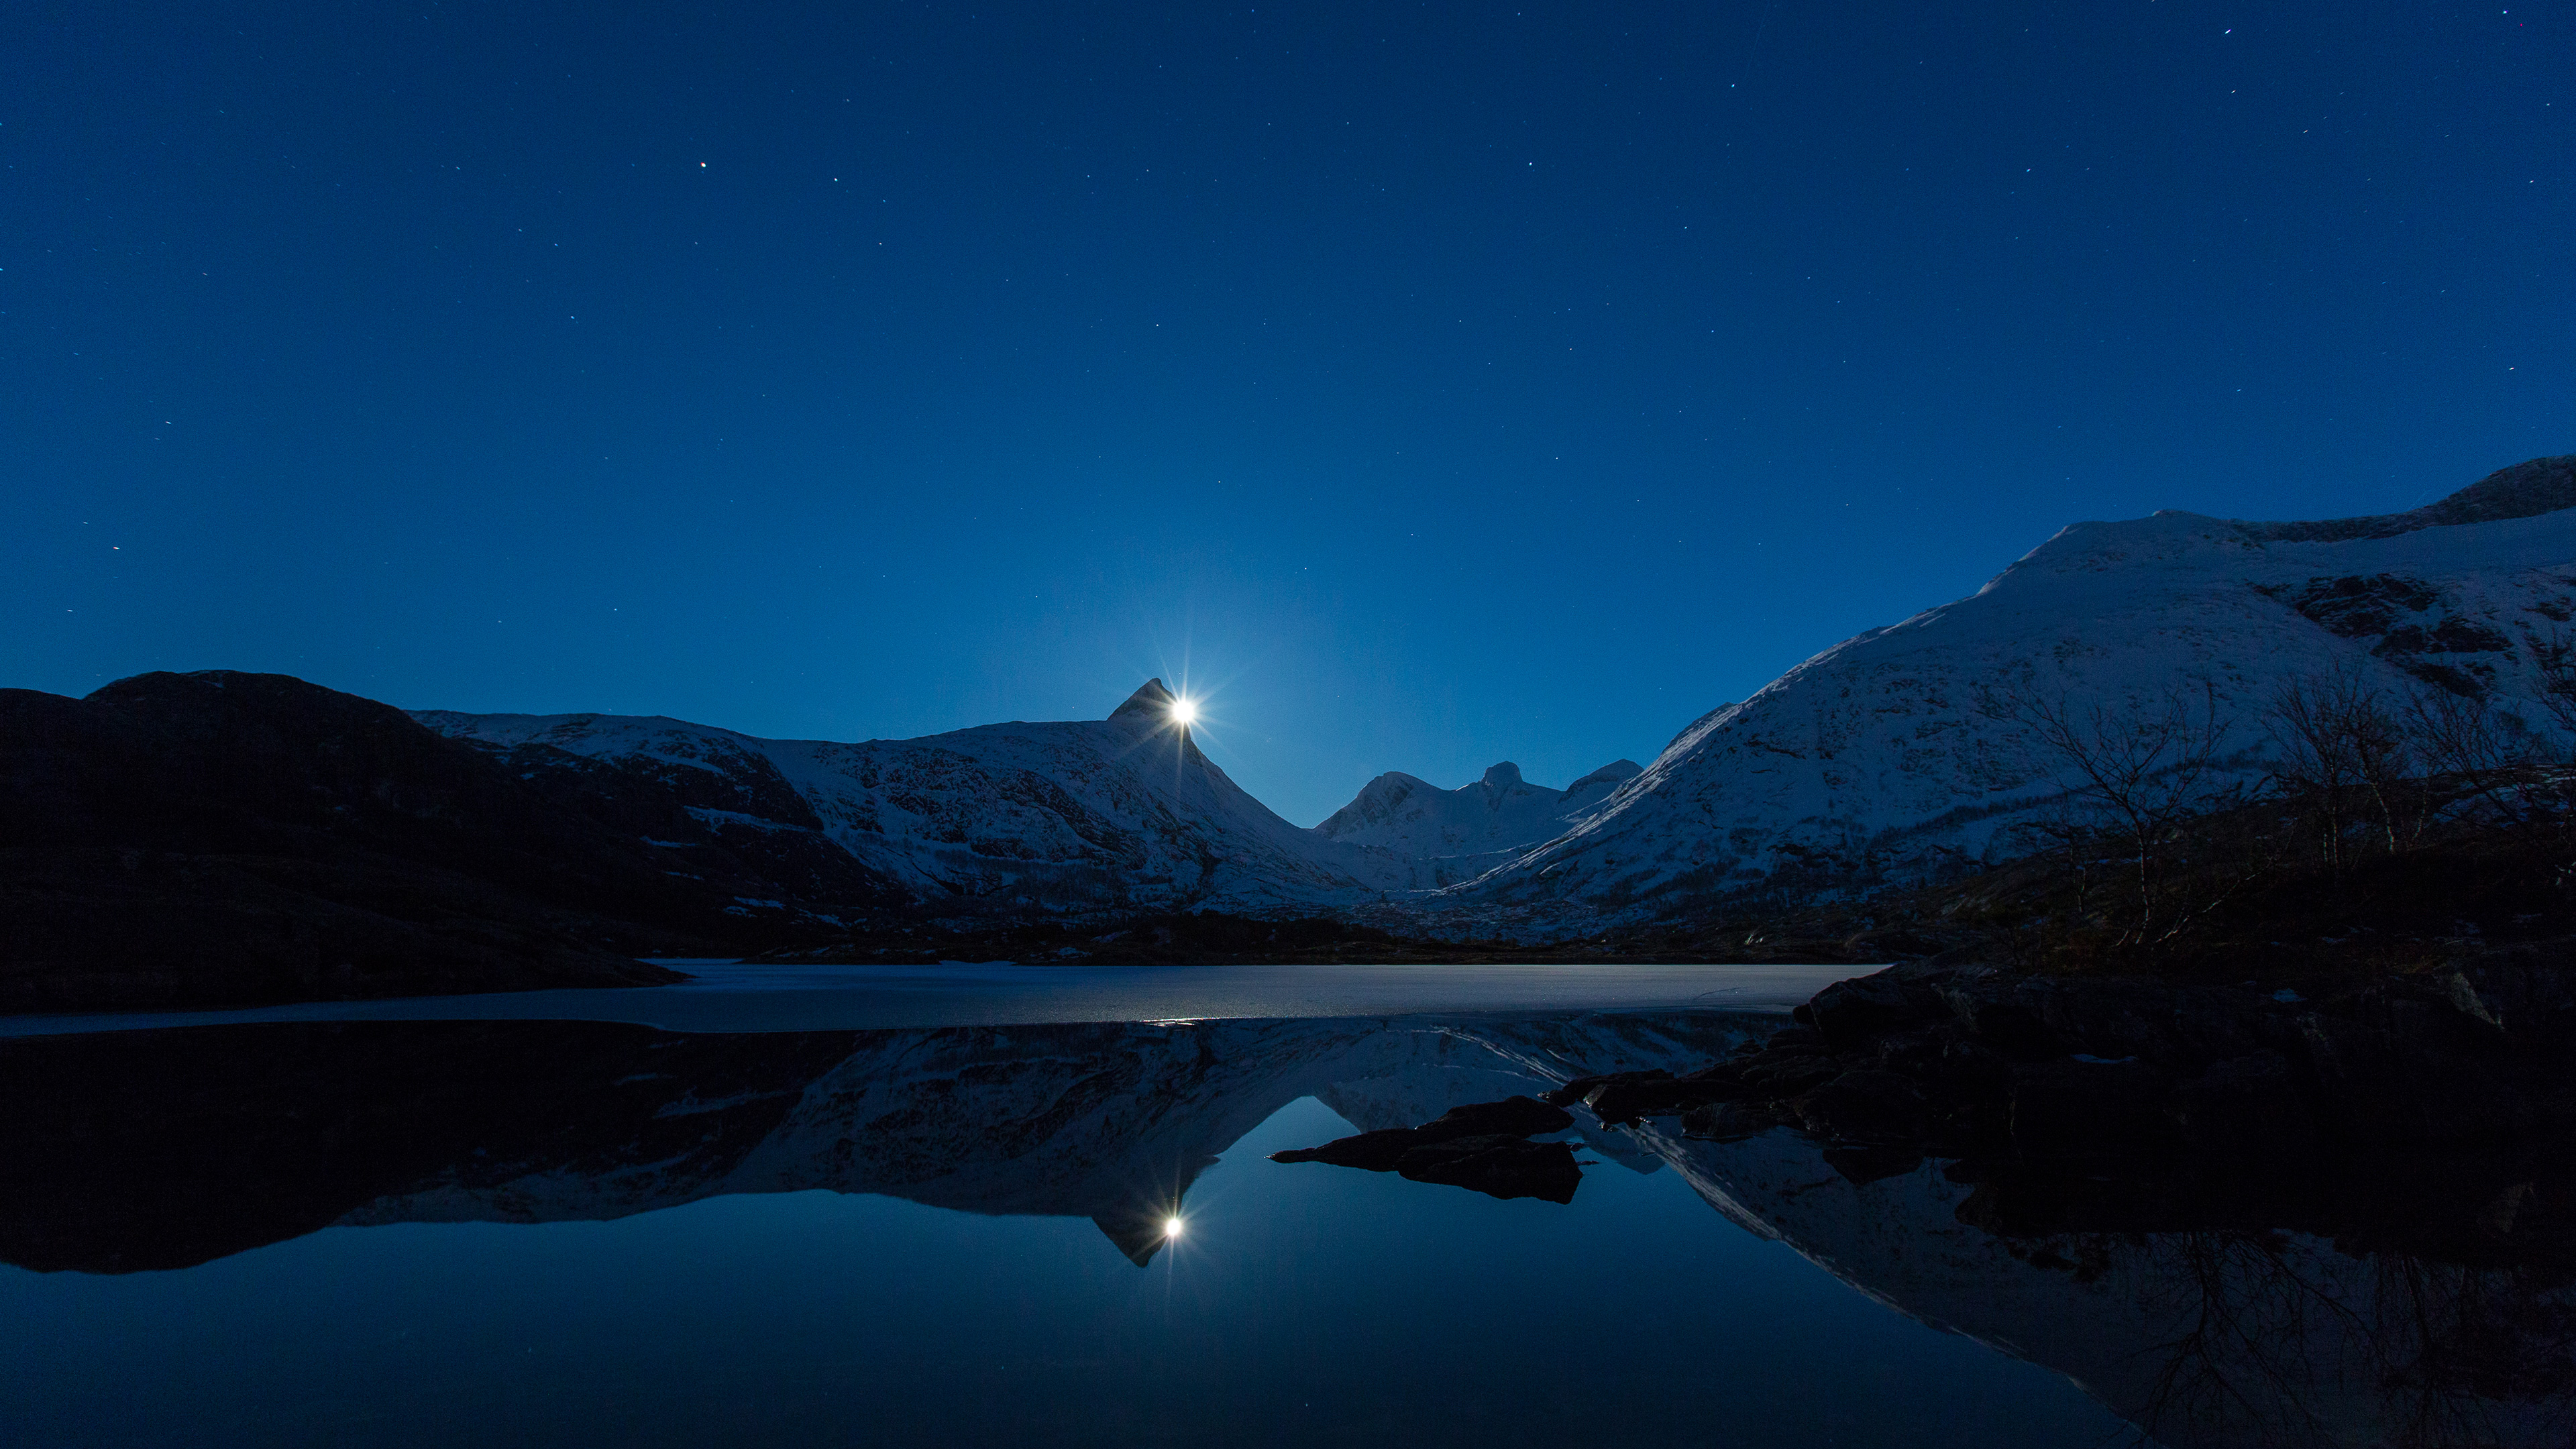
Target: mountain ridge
(1469,829)
(1871,760)
(1124,813)
(198,798)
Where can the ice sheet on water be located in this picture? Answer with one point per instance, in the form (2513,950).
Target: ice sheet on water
(732,996)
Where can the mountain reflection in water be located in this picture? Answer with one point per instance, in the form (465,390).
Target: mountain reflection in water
(2407,1321)
(161,1149)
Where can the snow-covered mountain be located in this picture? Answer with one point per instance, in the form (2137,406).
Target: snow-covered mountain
(1871,761)
(1463,832)
(1121,813)
(1872,758)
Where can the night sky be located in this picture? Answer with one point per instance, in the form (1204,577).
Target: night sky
(1427,385)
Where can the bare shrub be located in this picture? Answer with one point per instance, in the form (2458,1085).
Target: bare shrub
(2138,770)
(2554,660)
(2477,746)
(2344,754)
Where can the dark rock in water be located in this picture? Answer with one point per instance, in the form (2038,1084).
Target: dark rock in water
(1377,1151)
(1477,1146)
(1584,1089)
(2157,1023)
(2077,1111)
(1380,1151)
(1497,1166)
(1864,1165)
(2004,1023)
(1973,1064)
(1572,1092)
(1850,1012)
(2246,1107)
(1512,1116)
(1631,1095)
(1787,1074)
(1865,1106)
(2092,1078)
(1726,1121)
(1916,1052)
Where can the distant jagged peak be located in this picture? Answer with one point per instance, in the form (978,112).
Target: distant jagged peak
(1502,776)
(1150,704)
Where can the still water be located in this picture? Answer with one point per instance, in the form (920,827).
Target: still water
(534,1231)
(733,996)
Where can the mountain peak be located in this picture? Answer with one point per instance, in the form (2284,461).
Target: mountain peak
(1504,774)
(1616,773)
(2525,490)
(1151,702)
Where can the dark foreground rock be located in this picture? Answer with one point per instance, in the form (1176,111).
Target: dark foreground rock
(1497,1166)
(1482,1147)
(2083,1075)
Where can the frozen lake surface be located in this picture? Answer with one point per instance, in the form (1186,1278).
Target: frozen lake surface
(731,996)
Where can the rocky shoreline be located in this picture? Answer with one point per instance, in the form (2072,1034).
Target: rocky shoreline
(2430,1116)
(1959,1060)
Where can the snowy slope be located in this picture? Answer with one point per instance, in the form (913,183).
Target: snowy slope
(1871,759)
(1089,814)
(1461,833)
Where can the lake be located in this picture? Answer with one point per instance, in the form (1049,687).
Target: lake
(791,1211)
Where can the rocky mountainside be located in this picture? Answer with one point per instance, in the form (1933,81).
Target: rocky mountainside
(1459,834)
(1873,760)
(1120,814)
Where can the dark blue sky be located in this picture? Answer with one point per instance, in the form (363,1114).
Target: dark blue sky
(1429,384)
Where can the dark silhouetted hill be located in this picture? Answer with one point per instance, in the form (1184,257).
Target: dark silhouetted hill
(219,839)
